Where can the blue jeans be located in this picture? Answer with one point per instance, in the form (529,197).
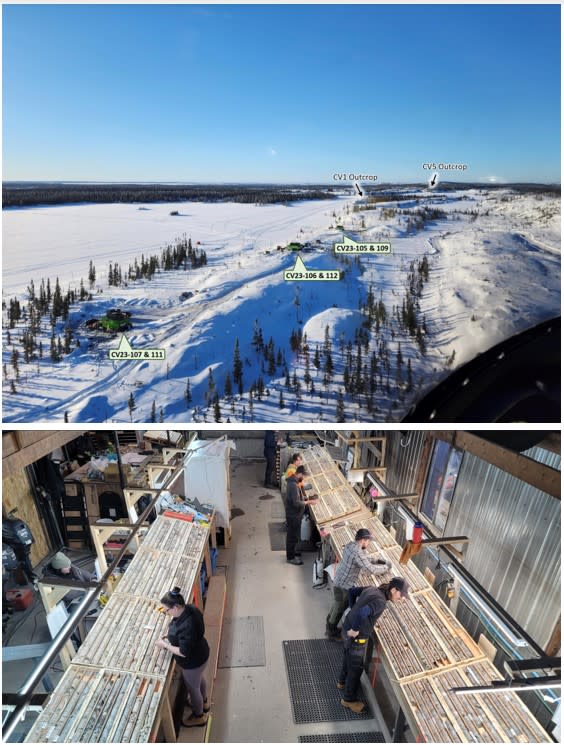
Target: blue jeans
(351,672)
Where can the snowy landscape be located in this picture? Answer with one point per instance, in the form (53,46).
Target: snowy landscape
(469,268)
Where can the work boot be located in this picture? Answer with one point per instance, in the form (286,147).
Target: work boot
(357,706)
(194,721)
(206,706)
(332,632)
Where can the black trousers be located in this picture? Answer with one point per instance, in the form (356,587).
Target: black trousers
(270,467)
(292,534)
(351,672)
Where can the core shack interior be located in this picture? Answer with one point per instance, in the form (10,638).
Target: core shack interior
(151,510)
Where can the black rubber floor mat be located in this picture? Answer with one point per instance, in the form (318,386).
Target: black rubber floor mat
(236,512)
(264,497)
(344,737)
(306,546)
(313,667)
(277,536)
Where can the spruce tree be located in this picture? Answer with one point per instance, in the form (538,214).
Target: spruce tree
(54,354)
(216,409)
(237,366)
(187,393)
(307,375)
(131,405)
(211,387)
(68,339)
(281,403)
(228,386)
(327,340)
(409,376)
(153,417)
(316,358)
(14,360)
(340,411)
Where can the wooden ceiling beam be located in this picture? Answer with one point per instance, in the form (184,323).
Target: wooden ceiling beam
(21,448)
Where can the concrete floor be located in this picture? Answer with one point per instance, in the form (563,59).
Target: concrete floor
(250,704)
(253,704)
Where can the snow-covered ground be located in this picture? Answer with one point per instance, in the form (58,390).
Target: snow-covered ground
(494,270)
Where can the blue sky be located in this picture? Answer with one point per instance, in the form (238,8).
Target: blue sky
(280,93)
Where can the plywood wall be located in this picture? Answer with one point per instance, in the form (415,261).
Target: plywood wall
(16,492)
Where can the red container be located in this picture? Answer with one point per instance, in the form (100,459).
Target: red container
(417,536)
(20,599)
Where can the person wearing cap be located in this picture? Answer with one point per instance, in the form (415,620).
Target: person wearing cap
(353,561)
(357,628)
(186,640)
(61,566)
(295,461)
(295,507)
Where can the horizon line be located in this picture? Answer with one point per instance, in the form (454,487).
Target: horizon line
(270,183)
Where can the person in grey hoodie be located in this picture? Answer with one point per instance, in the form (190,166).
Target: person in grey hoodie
(357,628)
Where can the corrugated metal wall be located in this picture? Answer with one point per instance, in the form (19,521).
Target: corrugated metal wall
(514,531)
(514,547)
(403,454)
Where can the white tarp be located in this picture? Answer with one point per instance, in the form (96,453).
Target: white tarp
(206,476)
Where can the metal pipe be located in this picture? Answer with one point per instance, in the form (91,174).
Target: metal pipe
(120,466)
(476,586)
(24,694)
(32,681)
(549,682)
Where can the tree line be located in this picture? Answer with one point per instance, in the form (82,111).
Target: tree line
(36,194)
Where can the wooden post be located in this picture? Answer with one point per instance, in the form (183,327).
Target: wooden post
(50,596)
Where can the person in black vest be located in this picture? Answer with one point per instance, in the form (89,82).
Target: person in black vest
(357,627)
(186,640)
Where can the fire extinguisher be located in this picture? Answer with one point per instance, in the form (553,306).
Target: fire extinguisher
(417,536)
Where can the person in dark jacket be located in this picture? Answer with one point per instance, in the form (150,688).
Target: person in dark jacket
(61,566)
(270,455)
(357,627)
(295,506)
(186,640)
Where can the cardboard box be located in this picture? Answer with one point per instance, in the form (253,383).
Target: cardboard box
(111,472)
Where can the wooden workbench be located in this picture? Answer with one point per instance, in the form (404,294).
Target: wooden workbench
(117,687)
(425,650)
(443,716)
(337,498)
